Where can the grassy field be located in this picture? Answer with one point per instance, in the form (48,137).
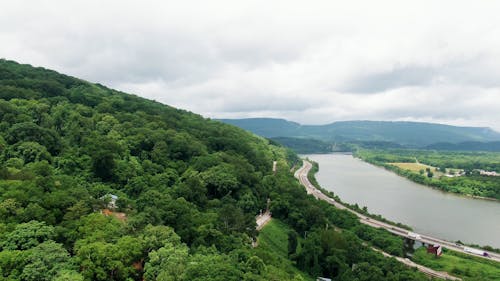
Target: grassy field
(417,167)
(414,167)
(464,266)
(273,238)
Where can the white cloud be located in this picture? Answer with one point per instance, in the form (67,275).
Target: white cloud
(312,62)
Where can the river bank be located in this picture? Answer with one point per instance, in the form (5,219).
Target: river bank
(404,173)
(452,217)
(469,183)
(355,207)
(303,175)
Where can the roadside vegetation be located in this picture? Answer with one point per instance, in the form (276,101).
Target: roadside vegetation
(467,267)
(456,172)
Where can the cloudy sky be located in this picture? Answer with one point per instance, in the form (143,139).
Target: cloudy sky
(313,62)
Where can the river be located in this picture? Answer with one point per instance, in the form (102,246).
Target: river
(426,210)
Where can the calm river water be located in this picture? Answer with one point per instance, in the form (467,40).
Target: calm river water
(428,211)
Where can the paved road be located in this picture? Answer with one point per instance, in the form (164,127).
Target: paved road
(263,219)
(301,175)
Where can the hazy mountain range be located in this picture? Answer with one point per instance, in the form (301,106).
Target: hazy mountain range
(410,134)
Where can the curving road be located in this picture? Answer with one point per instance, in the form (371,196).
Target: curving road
(301,175)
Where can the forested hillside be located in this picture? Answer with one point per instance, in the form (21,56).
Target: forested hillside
(304,146)
(467,146)
(96,184)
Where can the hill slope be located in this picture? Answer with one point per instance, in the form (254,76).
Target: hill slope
(182,182)
(405,133)
(96,184)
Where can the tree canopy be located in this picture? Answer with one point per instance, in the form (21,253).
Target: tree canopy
(96,184)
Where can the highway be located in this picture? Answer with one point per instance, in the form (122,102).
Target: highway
(301,175)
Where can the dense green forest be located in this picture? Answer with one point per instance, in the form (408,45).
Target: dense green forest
(466,146)
(304,146)
(96,184)
(311,146)
(471,183)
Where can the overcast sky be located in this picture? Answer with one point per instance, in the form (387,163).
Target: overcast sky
(313,62)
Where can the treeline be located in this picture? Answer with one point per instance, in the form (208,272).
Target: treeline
(472,183)
(187,190)
(304,146)
(467,146)
(310,146)
(489,161)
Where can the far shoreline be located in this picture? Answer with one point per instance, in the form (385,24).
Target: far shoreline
(484,246)
(465,195)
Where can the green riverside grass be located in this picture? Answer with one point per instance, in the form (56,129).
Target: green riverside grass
(467,267)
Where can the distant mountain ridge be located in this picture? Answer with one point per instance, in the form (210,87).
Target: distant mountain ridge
(413,134)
